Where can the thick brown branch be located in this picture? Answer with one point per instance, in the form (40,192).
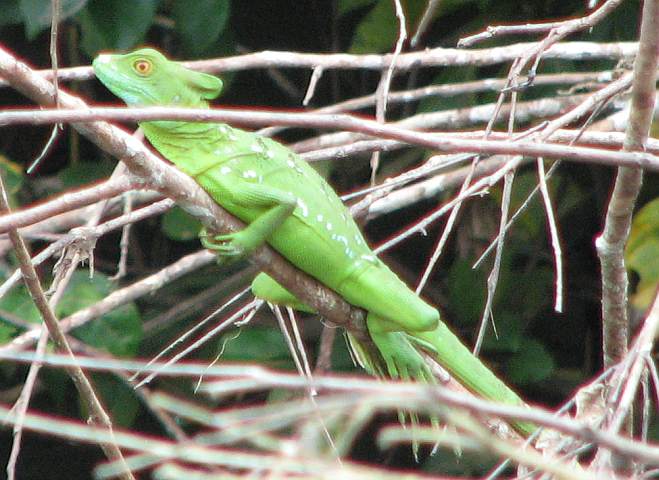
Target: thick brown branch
(611,243)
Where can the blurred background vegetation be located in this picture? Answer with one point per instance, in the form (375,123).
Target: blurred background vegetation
(544,354)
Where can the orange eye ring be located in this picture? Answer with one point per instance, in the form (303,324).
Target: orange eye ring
(142,67)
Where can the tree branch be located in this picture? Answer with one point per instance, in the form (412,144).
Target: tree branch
(611,243)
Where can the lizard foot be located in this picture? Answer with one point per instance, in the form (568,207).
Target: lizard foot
(402,360)
(229,246)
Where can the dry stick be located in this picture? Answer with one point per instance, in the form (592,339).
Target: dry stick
(444,143)
(88,235)
(191,331)
(508,179)
(641,350)
(256,377)
(384,86)
(555,35)
(21,405)
(452,119)
(555,241)
(371,208)
(552,130)
(425,22)
(97,415)
(64,203)
(120,297)
(610,244)
(575,24)
(23,402)
(452,90)
(434,57)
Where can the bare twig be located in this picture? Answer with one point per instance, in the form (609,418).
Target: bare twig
(389,393)
(443,143)
(436,57)
(569,25)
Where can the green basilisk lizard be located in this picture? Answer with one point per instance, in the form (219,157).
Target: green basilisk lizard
(287,204)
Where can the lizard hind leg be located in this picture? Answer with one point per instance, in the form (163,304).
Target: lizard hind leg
(402,360)
(267,288)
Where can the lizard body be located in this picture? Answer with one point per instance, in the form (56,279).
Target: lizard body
(287,204)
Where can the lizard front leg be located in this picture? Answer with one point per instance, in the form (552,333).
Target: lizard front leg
(276,207)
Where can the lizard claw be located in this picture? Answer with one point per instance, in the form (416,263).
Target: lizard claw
(228,246)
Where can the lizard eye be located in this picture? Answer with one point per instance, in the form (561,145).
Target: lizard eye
(142,67)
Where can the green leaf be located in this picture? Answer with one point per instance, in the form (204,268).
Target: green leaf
(82,173)
(12,176)
(119,331)
(180,226)
(531,364)
(345,6)
(446,76)
(115,24)
(19,304)
(10,13)
(255,344)
(642,253)
(37,13)
(466,292)
(510,334)
(7,332)
(378,30)
(200,26)
(118,397)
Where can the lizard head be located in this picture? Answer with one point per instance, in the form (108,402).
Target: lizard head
(146,77)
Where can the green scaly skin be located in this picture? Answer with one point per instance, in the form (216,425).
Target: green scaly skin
(285,203)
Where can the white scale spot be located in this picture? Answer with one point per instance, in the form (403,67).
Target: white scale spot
(303,207)
(223,129)
(328,226)
(217,152)
(291,163)
(358,240)
(270,154)
(232,136)
(224,170)
(256,148)
(343,240)
(319,217)
(176,99)
(249,174)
